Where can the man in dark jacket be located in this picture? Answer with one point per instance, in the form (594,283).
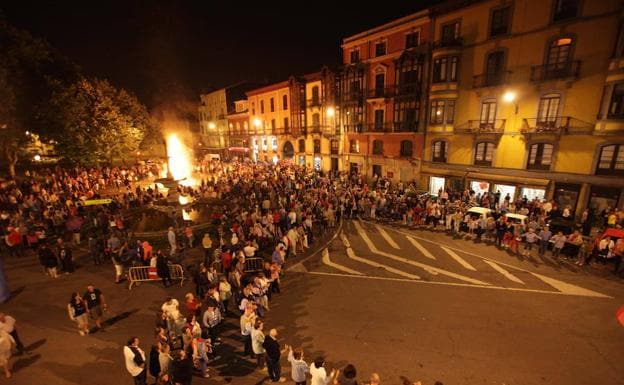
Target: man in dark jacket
(273,352)
(48,260)
(162,268)
(183,368)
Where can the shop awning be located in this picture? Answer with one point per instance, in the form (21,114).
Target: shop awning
(238,149)
(502,179)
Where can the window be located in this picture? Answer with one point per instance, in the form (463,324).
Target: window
(565,9)
(540,156)
(611,161)
(317,146)
(316,121)
(407,148)
(315,96)
(274,144)
(559,54)
(412,39)
(355,56)
(438,151)
(442,111)
(286,124)
(285,102)
(380,49)
(245,125)
(301,145)
(445,69)
(450,32)
(380,82)
(500,21)
(377,147)
(262,106)
(273,124)
(379,119)
(333,146)
(354,146)
(377,170)
(272,104)
(495,68)
(548,109)
(488,112)
(616,106)
(484,152)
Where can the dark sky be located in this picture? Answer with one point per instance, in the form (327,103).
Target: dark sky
(163,49)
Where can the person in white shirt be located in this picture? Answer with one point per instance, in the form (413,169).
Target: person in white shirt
(171,237)
(319,375)
(257,339)
(171,309)
(249,250)
(7,324)
(135,361)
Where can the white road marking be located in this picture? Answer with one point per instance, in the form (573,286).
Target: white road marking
(568,288)
(589,293)
(504,272)
(423,266)
(420,247)
(351,254)
(328,262)
(387,237)
(459,259)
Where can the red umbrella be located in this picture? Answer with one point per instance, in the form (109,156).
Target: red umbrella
(619,314)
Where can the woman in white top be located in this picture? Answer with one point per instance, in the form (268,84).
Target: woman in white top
(6,344)
(318,373)
(135,361)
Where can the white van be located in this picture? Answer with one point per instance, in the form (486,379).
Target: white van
(477,212)
(516,219)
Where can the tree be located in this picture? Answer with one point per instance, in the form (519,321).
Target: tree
(29,68)
(97,122)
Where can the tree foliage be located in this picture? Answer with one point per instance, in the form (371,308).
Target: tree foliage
(97,122)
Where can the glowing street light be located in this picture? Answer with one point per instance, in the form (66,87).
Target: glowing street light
(211,125)
(257,122)
(510,97)
(37,158)
(330,112)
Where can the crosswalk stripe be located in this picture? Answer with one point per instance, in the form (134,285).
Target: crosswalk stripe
(328,262)
(420,247)
(459,259)
(504,272)
(387,237)
(351,254)
(567,288)
(423,266)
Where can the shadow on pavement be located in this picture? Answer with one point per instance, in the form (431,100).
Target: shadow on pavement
(15,293)
(35,345)
(119,317)
(24,362)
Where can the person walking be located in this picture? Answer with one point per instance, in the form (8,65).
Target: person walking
(273,353)
(65,256)
(78,312)
(96,304)
(544,237)
(7,324)
(135,361)
(257,339)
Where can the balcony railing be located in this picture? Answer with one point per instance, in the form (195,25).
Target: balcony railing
(351,97)
(563,70)
(406,126)
(558,125)
(380,127)
(491,79)
(496,126)
(449,43)
(314,102)
(385,92)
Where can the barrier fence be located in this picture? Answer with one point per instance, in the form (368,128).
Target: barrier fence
(253,264)
(147,273)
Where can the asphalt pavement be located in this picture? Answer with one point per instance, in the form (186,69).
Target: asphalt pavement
(399,302)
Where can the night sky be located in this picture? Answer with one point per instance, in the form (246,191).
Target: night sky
(175,49)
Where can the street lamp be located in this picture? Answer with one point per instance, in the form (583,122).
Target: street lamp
(211,125)
(510,97)
(257,122)
(330,112)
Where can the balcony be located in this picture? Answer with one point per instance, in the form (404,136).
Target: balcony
(354,127)
(563,70)
(559,125)
(323,130)
(314,102)
(411,126)
(381,93)
(457,42)
(491,79)
(380,127)
(496,126)
(352,97)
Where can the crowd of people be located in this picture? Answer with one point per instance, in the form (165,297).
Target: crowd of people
(270,214)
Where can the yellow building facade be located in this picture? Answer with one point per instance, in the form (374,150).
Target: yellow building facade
(525,99)
(269,118)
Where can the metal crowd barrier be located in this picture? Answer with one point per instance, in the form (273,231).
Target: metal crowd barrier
(253,264)
(148,273)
